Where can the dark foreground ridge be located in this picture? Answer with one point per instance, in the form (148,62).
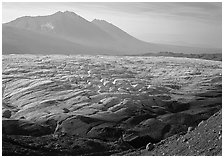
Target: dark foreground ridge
(204,140)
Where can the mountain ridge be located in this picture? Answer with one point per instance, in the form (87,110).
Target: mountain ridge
(97,34)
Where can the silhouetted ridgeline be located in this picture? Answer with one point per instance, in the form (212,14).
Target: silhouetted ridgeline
(217,56)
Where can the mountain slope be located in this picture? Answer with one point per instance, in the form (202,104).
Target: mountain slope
(96,37)
(21,41)
(114,31)
(141,46)
(65,24)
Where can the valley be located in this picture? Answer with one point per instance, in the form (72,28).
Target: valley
(103,105)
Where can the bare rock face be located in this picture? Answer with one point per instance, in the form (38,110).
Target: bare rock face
(66,110)
(77,125)
(189,129)
(145,132)
(148,126)
(175,106)
(6,113)
(149,147)
(105,131)
(21,127)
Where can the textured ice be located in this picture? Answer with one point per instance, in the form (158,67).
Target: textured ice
(111,92)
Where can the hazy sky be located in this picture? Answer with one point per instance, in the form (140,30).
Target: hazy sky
(189,24)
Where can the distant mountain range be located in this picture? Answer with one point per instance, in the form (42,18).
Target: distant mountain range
(214,56)
(69,33)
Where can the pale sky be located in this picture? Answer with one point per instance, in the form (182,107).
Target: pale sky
(188,24)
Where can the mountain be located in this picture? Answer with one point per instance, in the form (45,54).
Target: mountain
(22,41)
(214,56)
(69,33)
(114,31)
(67,25)
(131,43)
